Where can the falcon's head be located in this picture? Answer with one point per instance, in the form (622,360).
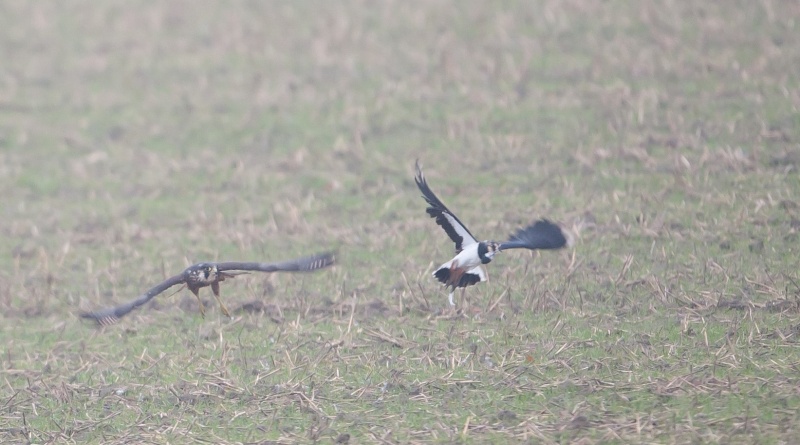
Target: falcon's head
(202,274)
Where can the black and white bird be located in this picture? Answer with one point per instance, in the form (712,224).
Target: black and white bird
(466,268)
(200,275)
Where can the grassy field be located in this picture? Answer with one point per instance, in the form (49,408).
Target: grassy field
(137,138)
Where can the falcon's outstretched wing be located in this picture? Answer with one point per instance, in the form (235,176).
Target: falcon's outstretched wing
(112,315)
(541,235)
(454,228)
(305,264)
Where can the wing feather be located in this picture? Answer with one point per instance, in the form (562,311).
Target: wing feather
(454,228)
(541,235)
(112,315)
(305,264)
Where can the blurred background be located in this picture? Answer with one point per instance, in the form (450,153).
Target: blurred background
(138,137)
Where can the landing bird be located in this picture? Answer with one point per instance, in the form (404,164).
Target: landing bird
(466,268)
(202,275)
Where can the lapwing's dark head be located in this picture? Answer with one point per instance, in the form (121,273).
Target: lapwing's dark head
(202,273)
(486,251)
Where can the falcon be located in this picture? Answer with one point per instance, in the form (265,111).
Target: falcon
(466,268)
(202,275)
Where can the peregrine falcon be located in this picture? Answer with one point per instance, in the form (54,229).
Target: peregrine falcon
(202,275)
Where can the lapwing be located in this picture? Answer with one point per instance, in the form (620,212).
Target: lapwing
(466,268)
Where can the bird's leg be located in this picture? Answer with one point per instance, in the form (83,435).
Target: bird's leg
(450,298)
(215,289)
(195,291)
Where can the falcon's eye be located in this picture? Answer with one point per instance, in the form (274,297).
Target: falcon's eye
(208,268)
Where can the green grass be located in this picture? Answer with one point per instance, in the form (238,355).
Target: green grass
(136,139)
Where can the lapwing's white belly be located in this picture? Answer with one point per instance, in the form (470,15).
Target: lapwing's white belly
(466,259)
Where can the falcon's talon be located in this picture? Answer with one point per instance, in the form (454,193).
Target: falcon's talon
(215,290)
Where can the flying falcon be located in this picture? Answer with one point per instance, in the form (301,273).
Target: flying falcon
(201,275)
(466,268)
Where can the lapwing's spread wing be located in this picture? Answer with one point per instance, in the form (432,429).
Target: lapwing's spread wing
(541,235)
(305,264)
(454,228)
(112,315)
